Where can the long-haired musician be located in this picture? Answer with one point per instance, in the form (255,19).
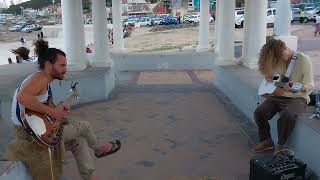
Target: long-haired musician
(35,94)
(296,68)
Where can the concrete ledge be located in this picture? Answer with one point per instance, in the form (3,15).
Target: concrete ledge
(13,170)
(163,61)
(241,84)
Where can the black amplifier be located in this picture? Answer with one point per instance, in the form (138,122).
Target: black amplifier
(271,167)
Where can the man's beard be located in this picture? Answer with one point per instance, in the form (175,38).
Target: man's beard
(57,75)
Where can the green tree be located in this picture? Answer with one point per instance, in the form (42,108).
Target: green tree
(86,5)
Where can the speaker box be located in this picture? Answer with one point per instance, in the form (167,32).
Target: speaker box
(271,167)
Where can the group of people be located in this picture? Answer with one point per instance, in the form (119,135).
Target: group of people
(78,136)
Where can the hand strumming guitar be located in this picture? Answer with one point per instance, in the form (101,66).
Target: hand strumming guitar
(59,112)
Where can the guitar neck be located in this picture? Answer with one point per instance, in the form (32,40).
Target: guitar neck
(69,100)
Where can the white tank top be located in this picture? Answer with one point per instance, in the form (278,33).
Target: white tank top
(18,110)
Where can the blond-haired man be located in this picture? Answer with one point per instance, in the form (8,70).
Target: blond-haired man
(275,57)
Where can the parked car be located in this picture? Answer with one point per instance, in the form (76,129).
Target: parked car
(186,18)
(271,16)
(18,27)
(145,21)
(28,29)
(239,18)
(131,21)
(309,14)
(194,19)
(157,20)
(37,27)
(295,14)
(168,21)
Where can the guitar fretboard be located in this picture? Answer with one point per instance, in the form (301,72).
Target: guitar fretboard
(69,100)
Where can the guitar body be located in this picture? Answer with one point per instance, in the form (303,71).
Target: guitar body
(45,131)
(278,81)
(266,87)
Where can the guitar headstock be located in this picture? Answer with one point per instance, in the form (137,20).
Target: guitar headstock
(74,90)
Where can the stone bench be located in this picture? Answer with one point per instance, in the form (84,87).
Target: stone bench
(241,84)
(13,170)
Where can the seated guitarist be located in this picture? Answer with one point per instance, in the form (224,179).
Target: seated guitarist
(275,57)
(35,94)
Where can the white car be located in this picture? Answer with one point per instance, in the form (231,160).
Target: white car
(15,28)
(157,21)
(239,17)
(131,21)
(196,18)
(145,21)
(28,29)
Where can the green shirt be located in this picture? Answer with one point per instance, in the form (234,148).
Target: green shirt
(301,73)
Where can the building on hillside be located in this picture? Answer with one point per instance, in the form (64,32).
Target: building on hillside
(157,8)
(179,7)
(168,5)
(135,7)
(30,13)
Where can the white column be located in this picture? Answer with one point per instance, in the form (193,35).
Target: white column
(282,25)
(73,34)
(101,51)
(256,29)
(247,15)
(117,26)
(225,44)
(204,26)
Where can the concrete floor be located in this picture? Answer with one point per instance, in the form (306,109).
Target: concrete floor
(180,130)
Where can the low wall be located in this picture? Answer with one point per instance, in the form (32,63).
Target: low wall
(189,60)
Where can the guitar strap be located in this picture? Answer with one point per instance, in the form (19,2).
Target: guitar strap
(290,67)
(18,110)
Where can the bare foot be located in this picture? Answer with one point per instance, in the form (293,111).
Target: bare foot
(103,148)
(107,149)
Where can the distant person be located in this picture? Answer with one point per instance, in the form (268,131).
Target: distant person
(23,41)
(41,34)
(179,20)
(22,55)
(317,26)
(301,14)
(38,35)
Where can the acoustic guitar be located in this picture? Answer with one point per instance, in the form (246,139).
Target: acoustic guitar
(47,132)
(268,87)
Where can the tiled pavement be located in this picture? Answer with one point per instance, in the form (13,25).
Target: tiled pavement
(173,125)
